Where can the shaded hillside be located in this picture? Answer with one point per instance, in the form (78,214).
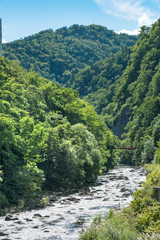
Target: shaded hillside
(95,83)
(128,97)
(136,103)
(48,137)
(59,55)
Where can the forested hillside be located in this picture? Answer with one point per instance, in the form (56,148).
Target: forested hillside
(125,90)
(59,55)
(49,138)
(123,87)
(132,110)
(95,83)
(136,102)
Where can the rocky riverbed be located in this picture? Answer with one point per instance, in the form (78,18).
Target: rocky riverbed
(69,214)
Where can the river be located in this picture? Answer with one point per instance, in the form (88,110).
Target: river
(68,215)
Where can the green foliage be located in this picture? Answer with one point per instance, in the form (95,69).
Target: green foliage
(139,88)
(49,138)
(157,154)
(97,78)
(58,55)
(148,152)
(3,201)
(113,228)
(72,157)
(156,133)
(146,209)
(124,89)
(149,219)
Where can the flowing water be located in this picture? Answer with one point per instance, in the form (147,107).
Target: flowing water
(68,215)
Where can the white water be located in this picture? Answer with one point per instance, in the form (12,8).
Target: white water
(70,214)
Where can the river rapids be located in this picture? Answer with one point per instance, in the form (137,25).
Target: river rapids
(69,214)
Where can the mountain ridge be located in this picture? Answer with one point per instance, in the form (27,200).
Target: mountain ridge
(58,55)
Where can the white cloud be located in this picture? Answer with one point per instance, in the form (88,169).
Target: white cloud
(4,41)
(145,20)
(129,32)
(128,9)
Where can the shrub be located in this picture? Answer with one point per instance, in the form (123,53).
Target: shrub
(113,228)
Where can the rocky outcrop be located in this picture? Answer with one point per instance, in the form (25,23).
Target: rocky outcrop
(121,121)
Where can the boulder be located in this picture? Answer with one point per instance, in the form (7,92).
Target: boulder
(10,217)
(126,194)
(19,222)
(73,199)
(125,189)
(53,222)
(120,177)
(106,199)
(3,234)
(28,219)
(36,215)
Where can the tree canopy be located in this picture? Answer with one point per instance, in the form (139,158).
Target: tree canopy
(59,55)
(49,138)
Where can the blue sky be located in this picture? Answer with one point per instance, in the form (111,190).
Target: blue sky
(22,18)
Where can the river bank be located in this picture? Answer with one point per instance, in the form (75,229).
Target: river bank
(70,214)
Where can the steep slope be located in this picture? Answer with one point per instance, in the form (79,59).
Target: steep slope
(136,104)
(128,97)
(59,55)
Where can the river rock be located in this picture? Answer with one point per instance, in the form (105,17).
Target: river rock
(64,201)
(106,199)
(80,221)
(53,198)
(140,183)
(98,184)
(10,218)
(19,222)
(84,191)
(126,194)
(35,227)
(118,186)
(124,189)
(28,219)
(36,215)
(3,234)
(89,198)
(53,222)
(73,199)
(120,177)
(104,180)
(132,170)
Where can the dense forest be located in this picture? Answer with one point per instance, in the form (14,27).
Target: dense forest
(59,55)
(120,81)
(50,139)
(53,139)
(124,88)
(134,109)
